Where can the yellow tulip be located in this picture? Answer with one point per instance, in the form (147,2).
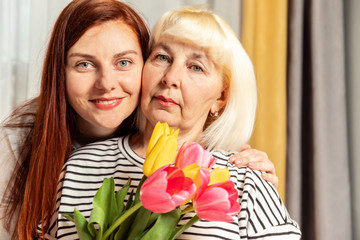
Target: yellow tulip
(219,175)
(192,171)
(161,149)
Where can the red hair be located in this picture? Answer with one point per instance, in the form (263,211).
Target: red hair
(49,141)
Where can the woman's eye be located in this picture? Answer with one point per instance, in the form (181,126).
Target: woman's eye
(162,58)
(84,65)
(123,63)
(196,68)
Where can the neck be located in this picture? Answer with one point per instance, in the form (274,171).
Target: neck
(87,133)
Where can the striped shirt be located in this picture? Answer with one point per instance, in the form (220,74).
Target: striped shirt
(262,216)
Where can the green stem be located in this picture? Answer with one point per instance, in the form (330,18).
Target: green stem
(188,209)
(121,219)
(181,229)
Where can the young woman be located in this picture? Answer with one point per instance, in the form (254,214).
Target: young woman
(199,80)
(89,90)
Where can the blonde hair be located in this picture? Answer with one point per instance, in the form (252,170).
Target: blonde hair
(212,34)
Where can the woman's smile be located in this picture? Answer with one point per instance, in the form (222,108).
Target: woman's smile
(106,103)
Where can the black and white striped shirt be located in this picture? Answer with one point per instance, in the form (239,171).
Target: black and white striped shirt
(262,216)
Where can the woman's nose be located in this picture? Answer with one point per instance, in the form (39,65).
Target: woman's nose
(173,76)
(106,80)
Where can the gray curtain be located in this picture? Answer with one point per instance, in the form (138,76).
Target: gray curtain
(318,174)
(352,40)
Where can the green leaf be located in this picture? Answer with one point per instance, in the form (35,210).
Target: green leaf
(164,226)
(81,226)
(139,224)
(68,216)
(130,200)
(121,194)
(123,229)
(152,219)
(124,222)
(103,200)
(137,194)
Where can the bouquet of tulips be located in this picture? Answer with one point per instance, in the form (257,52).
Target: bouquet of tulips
(167,191)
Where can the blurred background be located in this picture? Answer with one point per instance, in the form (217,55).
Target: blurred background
(306,57)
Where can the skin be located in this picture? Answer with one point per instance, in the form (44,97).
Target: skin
(180,85)
(103,77)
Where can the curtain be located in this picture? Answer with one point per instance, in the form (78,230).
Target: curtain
(25,26)
(14,57)
(264,38)
(318,181)
(352,35)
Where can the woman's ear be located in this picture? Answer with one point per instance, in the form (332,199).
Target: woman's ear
(221,101)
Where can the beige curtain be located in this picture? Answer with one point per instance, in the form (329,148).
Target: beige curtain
(264,36)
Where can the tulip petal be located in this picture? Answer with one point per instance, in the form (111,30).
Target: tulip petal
(219,175)
(183,197)
(192,152)
(157,179)
(192,171)
(166,152)
(215,216)
(166,189)
(157,201)
(217,202)
(157,132)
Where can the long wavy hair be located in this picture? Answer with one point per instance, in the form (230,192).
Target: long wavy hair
(33,185)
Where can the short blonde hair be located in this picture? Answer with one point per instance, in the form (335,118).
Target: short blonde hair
(209,32)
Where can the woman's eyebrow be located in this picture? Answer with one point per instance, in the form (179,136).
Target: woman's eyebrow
(120,54)
(83,55)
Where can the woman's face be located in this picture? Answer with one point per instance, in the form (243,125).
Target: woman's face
(103,77)
(180,86)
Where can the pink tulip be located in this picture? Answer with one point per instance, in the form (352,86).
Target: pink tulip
(194,153)
(166,189)
(217,202)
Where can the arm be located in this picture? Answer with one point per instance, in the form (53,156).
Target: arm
(256,160)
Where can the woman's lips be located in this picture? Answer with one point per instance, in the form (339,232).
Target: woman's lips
(168,102)
(106,103)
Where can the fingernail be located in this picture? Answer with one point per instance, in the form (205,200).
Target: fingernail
(252,164)
(239,161)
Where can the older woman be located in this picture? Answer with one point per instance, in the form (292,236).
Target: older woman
(199,80)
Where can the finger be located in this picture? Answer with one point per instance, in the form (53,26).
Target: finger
(245,156)
(240,162)
(273,179)
(262,166)
(253,154)
(239,158)
(245,147)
